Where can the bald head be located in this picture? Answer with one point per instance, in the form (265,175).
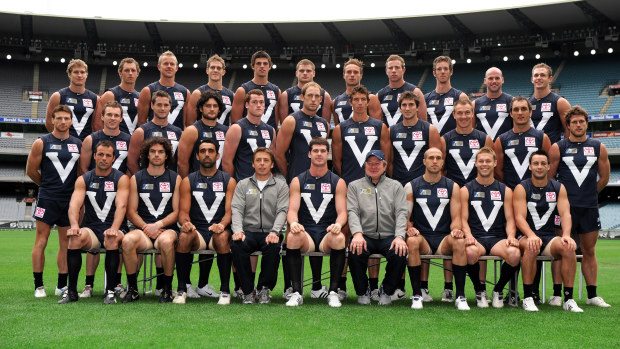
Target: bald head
(494,80)
(432,151)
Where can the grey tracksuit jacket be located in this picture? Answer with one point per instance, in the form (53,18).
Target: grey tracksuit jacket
(259,211)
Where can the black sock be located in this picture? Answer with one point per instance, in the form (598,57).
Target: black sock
(374,283)
(414,277)
(206,262)
(118,278)
(336,264)
(343,283)
(168,282)
(90,280)
(38,279)
(316,266)
(158,279)
(224,264)
(536,283)
(254,277)
(506,273)
(132,281)
(557,290)
(514,279)
(74,263)
(448,285)
(591,291)
(527,290)
(459,279)
(62,278)
(183,261)
(293,258)
(474,275)
(236,280)
(112,260)
(568,293)
(424,284)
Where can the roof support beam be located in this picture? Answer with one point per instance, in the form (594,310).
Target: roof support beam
(402,39)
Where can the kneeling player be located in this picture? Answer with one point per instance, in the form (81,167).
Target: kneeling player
(317,211)
(104,219)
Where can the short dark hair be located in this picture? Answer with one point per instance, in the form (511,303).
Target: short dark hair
(104,143)
(146,147)
(576,110)
(256,92)
(61,107)
(160,94)
(264,150)
(319,141)
(211,141)
(541,152)
(408,95)
(260,54)
(112,104)
(359,89)
(521,98)
(207,95)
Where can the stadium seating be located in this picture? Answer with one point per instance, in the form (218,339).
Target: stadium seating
(11,209)
(610,219)
(11,98)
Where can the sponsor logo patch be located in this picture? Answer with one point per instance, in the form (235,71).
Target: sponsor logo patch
(108,186)
(485,108)
(164,187)
(433,102)
(365,191)
(550,196)
(39,212)
(530,141)
(442,193)
(147,186)
(73,148)
(171,135)
(218,186)
(320,126)
(265,134)
(271,94)
(326,188)
(219,135)
(369,131)
(120,145)
(87,103)
(226,100)
(178,96)
(416,135)
(448,101)
(496,195)
(557,220)
(588,151)
(309,186)
(500,107)
(545,107)
(474,144)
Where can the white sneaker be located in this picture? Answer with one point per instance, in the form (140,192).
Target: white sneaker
(287,293)
(481,300)
(60,291)
(180,298)
(597,301)
(40,292)
(498,300)
(416,302)
(374,295)
(447,295)
(571,305)
(342,295)
(224,298)
(398,295)
(207,291)
(426,297)
(486,296)
(87,293)
(555,301)
(529,305)
(158,291)
(321,293)
(461,303)
(333,299)
(238,294)
(295,300)
(191,293)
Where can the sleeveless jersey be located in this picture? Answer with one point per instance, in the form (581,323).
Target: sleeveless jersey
(271,93)
(155,194)
(461,153)
(295,103)
(431,205)
(388,97)
(486,209)
(169,132)
(121,146)
(177,93)
(227,98)
(100,201)
(358,138)
(439,107)
(578,171)
(517,149)
(542,206)
(408,146)
(306,128)
(82,106)
(317,209)
(208,199)
(217,133)
(252,137)
(59,167)
(129,102)
(492,115)
(545,116)
(342,107)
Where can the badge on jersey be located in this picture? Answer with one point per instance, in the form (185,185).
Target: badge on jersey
(387,98)
(496,195)
(39,212)
(530,141)
(416,135)
(201,186)
(326,188)
(307,124)
(55,147)
(401,135)
(535,196)
(87,103)
(513,142)
(218,186)
(353,130)
(171,135)
(433,102)
(265,134)
(457,143)
(425,192)
(442,193)
(93,185)
(219,135)
(108,186)
(157,134)
(534,107)
(121,145)
(557,221)
(124,101)
(480,194)
(485,108)
(147,186)
(226,100)
(164,187)
(571,151)
(251,191)
(135,101)
(550,196)
(73,148)
(320,126)
(252,133)
(588,151)
(341,103)
(474,144)
(309,186)
(369,131)
(271,94)
(178,96)
(296,98)
(206,134)
(365,191)
(448,101)
(545,107)
(501,107)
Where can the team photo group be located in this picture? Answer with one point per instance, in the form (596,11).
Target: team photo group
(289,173)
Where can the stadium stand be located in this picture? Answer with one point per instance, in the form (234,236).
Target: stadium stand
(11,97)
(610,219)
(11,209)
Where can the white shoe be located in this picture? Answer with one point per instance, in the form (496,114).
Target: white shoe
(295,300)
(529,305)
(481,300)
(87,293)
(555,301)
(157,292)
(447,295)
(597,301)
(498,300)
(571,305)
(461,303)
(180,298)
(60,291)
(287,293)
(374,295)
(321,293)
(40,292)
(398,295)
(416,302)
(342,295)
(426,297)
(207,291)
(191,293)
(333,299)
(224,298)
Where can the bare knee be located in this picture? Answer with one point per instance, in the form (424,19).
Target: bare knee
(472,254)
(513,256)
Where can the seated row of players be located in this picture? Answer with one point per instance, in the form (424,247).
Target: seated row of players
(346,147)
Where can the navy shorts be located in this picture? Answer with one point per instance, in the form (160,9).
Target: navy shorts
(52,212)
(173,227)
(585,220)
(317,237)
(546,239)
(488,242)
(434,240)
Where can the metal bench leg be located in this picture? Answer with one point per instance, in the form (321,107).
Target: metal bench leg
(544,282)
(303,263)
(580,283)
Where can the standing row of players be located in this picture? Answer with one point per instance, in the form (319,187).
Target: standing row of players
(352,139)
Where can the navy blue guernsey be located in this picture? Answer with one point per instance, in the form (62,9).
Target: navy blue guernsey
(578,171)
(306,128)
(431,206)
(121,146)
(545,116)
(82,106)
(342,107)
(271,93)
(227,97)
(358,138)
(59,168)
(295,103)
(155,193)
(252,137)
(177,93)
(169,132)
(216,133)
(317,209)
(492,115)
(409,143)
(439,107)
(129,102)
(208,199)
(486,209)
(461,150)
(388,97)
(542,206)
(100,201)
(517,149)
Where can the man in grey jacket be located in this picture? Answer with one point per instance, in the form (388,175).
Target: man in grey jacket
(377,208)
(259,208)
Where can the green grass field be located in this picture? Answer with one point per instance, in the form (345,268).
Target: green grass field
(29,322)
